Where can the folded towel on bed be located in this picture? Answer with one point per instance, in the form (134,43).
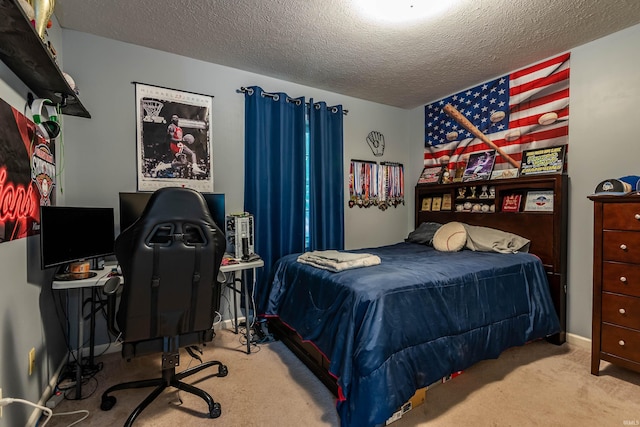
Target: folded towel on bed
(336,261)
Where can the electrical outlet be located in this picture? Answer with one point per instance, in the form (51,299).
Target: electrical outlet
(32,360)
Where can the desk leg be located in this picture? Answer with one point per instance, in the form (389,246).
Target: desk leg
(235,300)
(247,306)
(92,330)
(79,351)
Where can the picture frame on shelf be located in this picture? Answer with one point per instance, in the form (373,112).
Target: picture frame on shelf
(539,201)
(431,175)
(479,166)
(511,203)
(436,205)
(426,204)
(543,160)
(446,202)
(505,173)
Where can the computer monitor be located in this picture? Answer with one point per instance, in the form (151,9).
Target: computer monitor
(215,203)
(70,234)
(132,205)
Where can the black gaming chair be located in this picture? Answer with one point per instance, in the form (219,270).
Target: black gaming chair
(170,258)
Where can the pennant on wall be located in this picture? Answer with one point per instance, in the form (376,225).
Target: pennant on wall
(27,175)
(523,110)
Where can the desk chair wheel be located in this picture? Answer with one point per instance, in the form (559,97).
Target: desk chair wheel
(222,371)
(107,403)
(216,411)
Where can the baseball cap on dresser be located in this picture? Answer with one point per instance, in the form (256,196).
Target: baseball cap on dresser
(633,181)
(615,187)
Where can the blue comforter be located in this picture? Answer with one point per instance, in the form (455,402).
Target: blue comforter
(420,315)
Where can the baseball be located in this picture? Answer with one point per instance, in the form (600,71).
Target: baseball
(497,116)
(548,118)
(452,136)
(512,135)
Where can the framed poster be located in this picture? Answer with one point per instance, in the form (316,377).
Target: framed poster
(174,139)
(479,166)
(504,173)
(431,175)
(541,201)
(543,160)
(511,203)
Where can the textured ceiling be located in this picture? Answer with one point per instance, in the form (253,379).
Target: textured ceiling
(331,45)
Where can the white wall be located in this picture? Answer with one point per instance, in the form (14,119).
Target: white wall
(603,127)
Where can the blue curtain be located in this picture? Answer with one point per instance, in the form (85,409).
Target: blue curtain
(274,177)
(326,183)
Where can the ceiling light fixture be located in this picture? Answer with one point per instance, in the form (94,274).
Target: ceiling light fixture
(402,11)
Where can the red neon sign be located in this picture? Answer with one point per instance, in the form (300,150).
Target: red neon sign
(16,201)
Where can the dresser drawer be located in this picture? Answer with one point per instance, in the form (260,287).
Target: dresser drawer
(621,216)
(623,246)
(621,278)
(621,342)
(621,310)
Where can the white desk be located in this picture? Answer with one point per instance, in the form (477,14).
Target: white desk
(244,268)
(103,275)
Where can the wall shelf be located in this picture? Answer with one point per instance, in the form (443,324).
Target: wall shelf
(22,50)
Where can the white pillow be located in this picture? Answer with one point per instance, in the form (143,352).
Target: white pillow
(451,237)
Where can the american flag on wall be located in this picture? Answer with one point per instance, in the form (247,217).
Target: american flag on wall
(523,110)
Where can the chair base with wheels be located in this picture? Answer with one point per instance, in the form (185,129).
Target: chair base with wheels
(169,379)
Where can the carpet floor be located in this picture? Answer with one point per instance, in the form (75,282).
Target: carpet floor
(539,384)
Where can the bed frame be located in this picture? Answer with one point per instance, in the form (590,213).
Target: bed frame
(547,231)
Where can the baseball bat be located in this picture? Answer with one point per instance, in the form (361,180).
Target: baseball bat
(465,123)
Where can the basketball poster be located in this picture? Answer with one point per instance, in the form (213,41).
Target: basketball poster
(27,175)
(174,139)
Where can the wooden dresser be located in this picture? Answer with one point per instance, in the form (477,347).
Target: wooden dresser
(616,282)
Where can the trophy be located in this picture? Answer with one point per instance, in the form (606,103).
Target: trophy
(485,192)
(43,11)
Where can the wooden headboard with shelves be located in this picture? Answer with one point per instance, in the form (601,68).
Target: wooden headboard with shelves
(546,229)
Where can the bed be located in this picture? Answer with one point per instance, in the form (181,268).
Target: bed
(375,335)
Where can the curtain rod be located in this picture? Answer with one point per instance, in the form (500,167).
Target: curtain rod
(275,95)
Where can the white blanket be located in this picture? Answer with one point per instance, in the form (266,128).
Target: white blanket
(336,261)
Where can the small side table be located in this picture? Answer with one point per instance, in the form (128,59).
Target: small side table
(248,276)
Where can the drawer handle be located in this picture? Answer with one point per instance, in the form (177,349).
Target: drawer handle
(622,311)
(623,279)
(621,342)
(623,247)
(637,216)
